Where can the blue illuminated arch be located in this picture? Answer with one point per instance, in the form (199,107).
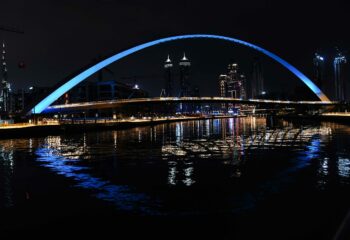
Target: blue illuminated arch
(47,101)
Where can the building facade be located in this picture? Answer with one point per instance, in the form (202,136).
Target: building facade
(184,66)
(223,85)
(89,91)
(232,84)
(235,82)
(223,88)
(169,84)
(5,87)
(339,64)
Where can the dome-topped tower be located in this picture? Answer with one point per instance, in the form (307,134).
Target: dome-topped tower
(185,65)
(168,65)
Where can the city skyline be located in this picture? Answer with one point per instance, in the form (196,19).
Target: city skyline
(78,53)
(183,84)
(197,72)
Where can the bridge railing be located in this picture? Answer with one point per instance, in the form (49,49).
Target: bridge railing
(194,99)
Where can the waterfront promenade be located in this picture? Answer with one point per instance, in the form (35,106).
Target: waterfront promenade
(47,127)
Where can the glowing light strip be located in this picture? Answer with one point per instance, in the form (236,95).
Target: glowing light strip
(43,104)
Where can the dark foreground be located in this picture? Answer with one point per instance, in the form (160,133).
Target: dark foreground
(211,179)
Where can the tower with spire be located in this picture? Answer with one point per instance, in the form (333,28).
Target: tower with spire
(5,85)
(168,65)
(318,63)
(185,65)
(339,64)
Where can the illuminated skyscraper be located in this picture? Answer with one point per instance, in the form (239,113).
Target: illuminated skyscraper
(185,65)
(168,65)
(5,87)
(223,85)
(232,80)
(318,70)
(242,86)
(235,82)
(223,88)
(257,84)
(232,84)
(339,76)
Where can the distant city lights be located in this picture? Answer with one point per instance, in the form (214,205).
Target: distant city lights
(319,57)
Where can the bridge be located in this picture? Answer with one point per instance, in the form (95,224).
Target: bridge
(159,100)
(45,102)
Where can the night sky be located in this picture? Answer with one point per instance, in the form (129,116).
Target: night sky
(63,36)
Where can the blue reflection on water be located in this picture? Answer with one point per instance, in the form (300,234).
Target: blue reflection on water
(312,151)
(120,196)
(283,178)
(59,159)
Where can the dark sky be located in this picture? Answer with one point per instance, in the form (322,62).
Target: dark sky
(63,36)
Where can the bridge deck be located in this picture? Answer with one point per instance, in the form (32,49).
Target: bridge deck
(120,102)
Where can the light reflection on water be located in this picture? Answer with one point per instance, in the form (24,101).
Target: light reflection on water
(223,140)
(6,171)
(63,162)
(135,169)
(344,167)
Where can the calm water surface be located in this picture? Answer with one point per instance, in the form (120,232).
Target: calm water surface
(222,179)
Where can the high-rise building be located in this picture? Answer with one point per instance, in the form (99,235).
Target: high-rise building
(185,65)
(5,87)
(223,88)
(242,86)
(318,70)
(232,84)
(339,76)
(232,80)
(169,85)
(235,82)
(223,85)
(257,83)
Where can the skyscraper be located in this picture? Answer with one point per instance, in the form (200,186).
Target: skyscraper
(257,83)
(223,88)
(242,86)
(185,65)
(235,82)
(339,76)
(232,84)
(232,80)
(223,85)
(5,87)
(168,65)
(318,70)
